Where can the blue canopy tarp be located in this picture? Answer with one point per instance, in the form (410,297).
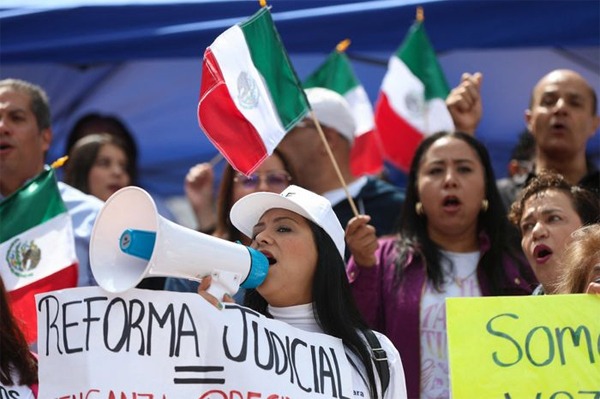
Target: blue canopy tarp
(141,60)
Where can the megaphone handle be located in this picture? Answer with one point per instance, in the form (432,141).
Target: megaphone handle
(224,282)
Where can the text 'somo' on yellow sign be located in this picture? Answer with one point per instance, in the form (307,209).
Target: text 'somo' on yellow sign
(534,347)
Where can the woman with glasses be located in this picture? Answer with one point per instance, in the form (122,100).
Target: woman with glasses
(273,175)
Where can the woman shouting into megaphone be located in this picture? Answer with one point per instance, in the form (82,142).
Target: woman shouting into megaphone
(306,285)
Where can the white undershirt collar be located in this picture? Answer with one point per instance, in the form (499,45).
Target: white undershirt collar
(299,316)
(339,194)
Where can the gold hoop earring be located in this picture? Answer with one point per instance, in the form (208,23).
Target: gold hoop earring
(419,208)
(485,205)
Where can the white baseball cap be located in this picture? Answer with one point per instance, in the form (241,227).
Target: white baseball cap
(246,212)
(332,110)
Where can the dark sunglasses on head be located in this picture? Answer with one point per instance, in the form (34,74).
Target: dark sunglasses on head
(272,179)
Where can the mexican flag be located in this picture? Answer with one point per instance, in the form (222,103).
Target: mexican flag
(250,95)
(337,74)
(37,247)
(411,102)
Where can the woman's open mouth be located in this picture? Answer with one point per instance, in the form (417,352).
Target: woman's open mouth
(269,257)
(542,253)
(451,203)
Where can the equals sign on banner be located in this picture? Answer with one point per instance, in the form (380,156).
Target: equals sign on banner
(199,369)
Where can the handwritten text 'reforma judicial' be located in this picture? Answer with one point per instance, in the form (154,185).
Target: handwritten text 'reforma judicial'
(177,330)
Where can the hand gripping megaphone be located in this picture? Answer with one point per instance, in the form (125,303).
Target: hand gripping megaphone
(131,241)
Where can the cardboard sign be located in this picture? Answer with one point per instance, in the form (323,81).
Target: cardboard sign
(535,347)
(167,345)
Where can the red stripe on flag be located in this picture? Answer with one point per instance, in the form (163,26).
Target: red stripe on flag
(224,124)
(366,156)
(398,137)
(22,300)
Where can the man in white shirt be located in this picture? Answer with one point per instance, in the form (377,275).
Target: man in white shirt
(25,136)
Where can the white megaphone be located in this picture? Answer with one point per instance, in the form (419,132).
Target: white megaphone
(131,241)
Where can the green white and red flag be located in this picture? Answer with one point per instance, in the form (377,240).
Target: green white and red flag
(250,95)
(336,73)
(411,102)
(37,247)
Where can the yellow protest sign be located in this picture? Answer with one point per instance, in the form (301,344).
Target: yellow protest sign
(535,347)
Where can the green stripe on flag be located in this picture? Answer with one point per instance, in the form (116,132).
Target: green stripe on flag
(335,74)
(271,60)
(418,55)
(36,202)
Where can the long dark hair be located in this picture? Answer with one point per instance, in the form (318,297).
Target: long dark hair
(337,313)
(225,228)
(83,155)
(99,123)
(414,240)
(15,351)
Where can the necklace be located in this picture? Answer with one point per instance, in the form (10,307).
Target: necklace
(460,281)
(460,261)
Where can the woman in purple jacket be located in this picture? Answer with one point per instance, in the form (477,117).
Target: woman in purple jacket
(452,242)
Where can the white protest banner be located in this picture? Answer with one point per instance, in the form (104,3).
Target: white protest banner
(167,345)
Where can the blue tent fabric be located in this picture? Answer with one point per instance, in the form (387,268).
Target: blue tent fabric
(141,60)
(117,32)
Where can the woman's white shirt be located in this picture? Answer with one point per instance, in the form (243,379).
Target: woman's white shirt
(460,270)
(303,317)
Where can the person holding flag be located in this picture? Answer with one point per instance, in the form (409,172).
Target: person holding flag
(46,226)
(452,241)
(251,100)
(378,202)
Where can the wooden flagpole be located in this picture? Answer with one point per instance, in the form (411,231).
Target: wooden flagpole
(341,47)
(334,162)
(216,159)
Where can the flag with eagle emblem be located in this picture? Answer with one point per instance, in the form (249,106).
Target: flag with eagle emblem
(250,95)
(37,247)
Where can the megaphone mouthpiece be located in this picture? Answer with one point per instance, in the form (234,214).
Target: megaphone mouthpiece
(138,243)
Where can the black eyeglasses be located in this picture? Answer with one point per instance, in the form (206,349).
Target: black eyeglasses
(277,179)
